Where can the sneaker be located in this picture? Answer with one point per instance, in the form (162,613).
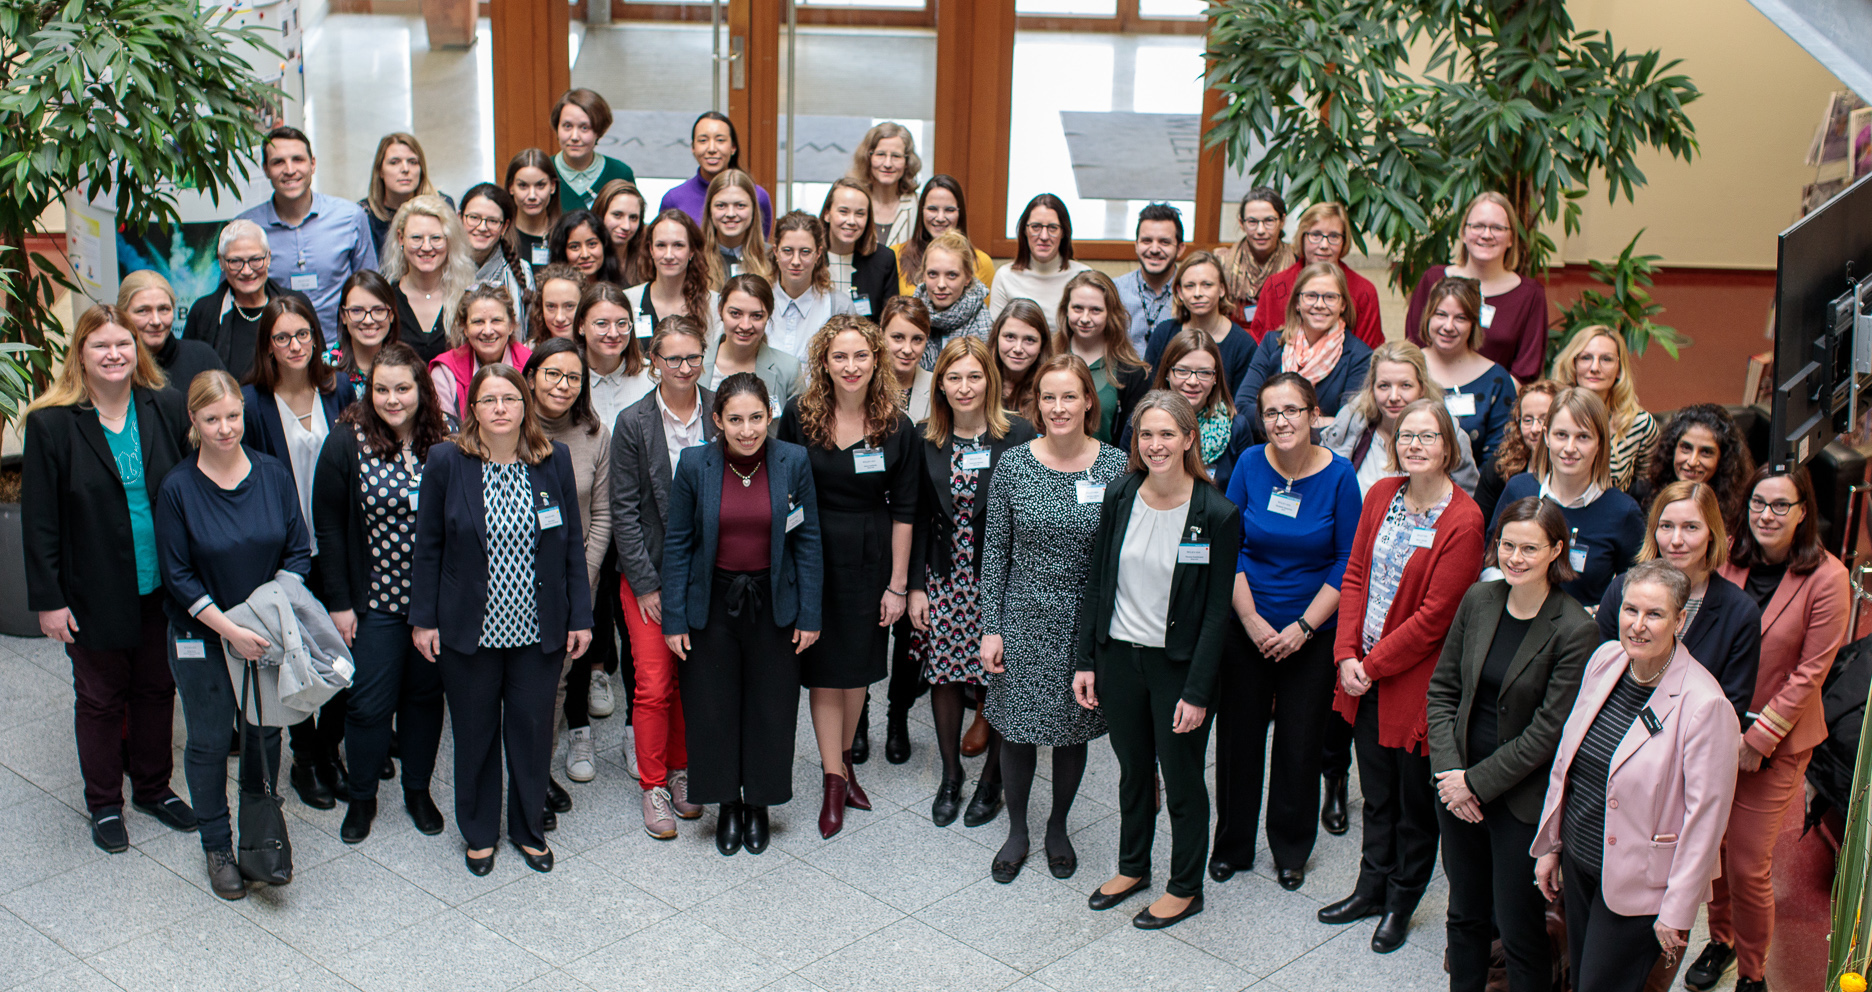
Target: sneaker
(107,830)
(579,767)
(602,702)
(659,818)
(679,795)
(630,751)
(1709,967)
(224,875)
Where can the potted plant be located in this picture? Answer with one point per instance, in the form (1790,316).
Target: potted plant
(15,392)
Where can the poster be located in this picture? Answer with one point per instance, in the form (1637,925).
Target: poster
(182,253)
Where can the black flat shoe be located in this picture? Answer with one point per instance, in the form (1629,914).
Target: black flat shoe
(557,798)
(1005,871)
(312,791)
(541,862)
(1290,878)
(479,866)
(107,831)
(1716,960)
(549,822)
(1221,870)
(1145,921)
(1392,929)
(1351,909)
(422,811)
(1100,900)
(1333,810)
(755,830)
(1063,865)
(984,806)
(388,771)
(357,821)
(173,812)
(861,738)
(947,804)
(897,739)
(728,829)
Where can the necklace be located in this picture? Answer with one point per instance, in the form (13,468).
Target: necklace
(1655,679)
(748,479)
(246,316)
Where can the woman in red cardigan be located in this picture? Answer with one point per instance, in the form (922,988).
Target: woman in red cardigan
(1419,546)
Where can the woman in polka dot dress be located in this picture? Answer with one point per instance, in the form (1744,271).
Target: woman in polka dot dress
(364,513)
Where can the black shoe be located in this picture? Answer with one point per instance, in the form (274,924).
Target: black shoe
(312,791)
(1063,865)
(728,829)
(1100,900)
(1351,909)
(388,771)
(1290,878)
(1709,967)
(549,822)
(336,776)
(1751,984)
(173,812)
(985,805)
(755,829)
(897,739)
(541,863)
(1333,810)
(1392,929)
(861,738)
(1222,871)
(1005,871)
(947,804)
(422,811)
(479,866)
(107,830)
(224,876)
(1145,921)
(357,820)
(557,798)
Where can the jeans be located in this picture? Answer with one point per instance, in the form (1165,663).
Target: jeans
(392,679)
(210,705)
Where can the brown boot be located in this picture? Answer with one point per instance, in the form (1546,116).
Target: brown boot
(854,794)
(975,740)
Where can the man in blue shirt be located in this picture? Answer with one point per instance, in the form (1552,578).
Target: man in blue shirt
(1147,291)
(318,240)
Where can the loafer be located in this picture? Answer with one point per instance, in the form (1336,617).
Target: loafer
(557,798)
(897,739)
(479,866)
(173,812)
(107,831)
(728,829)
(1290,878)
(357,821)
(542,862)
(1005,871)
(854,793)
(985,805)
(1221,870)
(755,830)
(947,804)
(1333,809)
(1145,921)
(1709,967)
(1351,909)
(1100,900)
(1063,865)
(422,811)
(312,790)
(224,876)
(1393,928)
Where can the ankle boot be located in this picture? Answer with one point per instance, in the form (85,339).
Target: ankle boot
(832,809)
(897,738)
(860,751)
(975,740)
(854,795)
(1333,810)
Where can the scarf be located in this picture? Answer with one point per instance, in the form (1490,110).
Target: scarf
(1245,277)
(1216,429)
(969,315)
(1315,361)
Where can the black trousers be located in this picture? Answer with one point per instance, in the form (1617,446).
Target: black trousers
(1296,694)
(740,694)
(501,697)
(1138,688)
(1609,952)
(1400,839)
(125,713)
(1336,749)
(1491,883)
(906,676)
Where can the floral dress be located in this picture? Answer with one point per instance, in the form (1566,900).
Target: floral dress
(950,651)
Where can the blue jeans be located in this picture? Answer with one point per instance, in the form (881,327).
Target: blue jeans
(391,678)
(210,705)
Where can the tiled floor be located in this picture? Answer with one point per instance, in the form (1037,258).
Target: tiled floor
(892,903)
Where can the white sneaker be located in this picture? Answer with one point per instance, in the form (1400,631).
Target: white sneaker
(579,766)
(630,751)
(602,702)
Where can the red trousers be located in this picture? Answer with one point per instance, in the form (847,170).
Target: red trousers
(656,706)
(1742,914)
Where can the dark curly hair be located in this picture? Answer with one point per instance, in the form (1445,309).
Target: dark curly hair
(1734,465)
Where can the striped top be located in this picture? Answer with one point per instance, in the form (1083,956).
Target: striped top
(1582,822)
(1631,449)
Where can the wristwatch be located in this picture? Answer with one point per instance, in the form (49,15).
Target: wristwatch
(1305,627)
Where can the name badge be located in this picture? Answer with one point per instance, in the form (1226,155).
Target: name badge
(1422,537)
(1460,404)
(866,460)
(541,254)
(974,461)
(860,300)
(1576,557)
(303,281)
(795,517)
(1089,492)
(550,517)
(1284,503)
(1488,315)
(1193,554)
(415,497)
(646,328)
(191,649)
(1651,722)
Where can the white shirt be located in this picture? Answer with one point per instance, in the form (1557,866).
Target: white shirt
(1586,498)
(795,321)
(610,394)
(678,435)
(1146,561)
(303,441)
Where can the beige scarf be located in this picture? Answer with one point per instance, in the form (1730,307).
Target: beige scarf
(1313,360)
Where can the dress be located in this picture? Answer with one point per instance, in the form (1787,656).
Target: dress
(950,651)
(1036,559)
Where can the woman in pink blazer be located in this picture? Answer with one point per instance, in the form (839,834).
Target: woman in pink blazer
(1639,795)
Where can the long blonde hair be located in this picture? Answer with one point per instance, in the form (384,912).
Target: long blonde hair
(1622,402)
(458,271)
(1365,404)
(70,389)
(755,257)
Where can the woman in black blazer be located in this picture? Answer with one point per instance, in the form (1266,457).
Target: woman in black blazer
(1722,630)
(228,319)
(967,433)
(500,597)
(741,565)
(1498,700)
(1150,643)
(98,444)
(862,266)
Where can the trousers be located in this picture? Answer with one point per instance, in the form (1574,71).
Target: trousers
(392,679)
(656,706)
(1742,914)
(501,698)
(125,713)
(210,705)
(1491,882)
(1609,952)
(1296,695)
(1400,828)
(1138,688)
(740,697)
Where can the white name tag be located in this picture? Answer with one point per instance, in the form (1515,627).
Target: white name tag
(974,461)
(1422,537)
(795,517)
(646,328)
(541,254)
(1089,492)
(1577,558)
(1488,315)
(1460,404)
(865,460)
(1192,554)
(415,497)
(303,281)
(191,649)
(860,301)
(1285,504)
(550,518)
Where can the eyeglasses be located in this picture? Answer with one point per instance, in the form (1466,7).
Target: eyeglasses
(1325,237)
(1181,374)
(475,222)
(555,377)
(681,361)
(1291,414)
(1779,507)
(497,402)
(1529,420)
(1042,229)
(888,156)
(366,313)
(424,240)
(255,262)
(1418,437)
(604,327)
(1509,549)
(1495,229)
(1257,223)
(302,335)
(1326,299)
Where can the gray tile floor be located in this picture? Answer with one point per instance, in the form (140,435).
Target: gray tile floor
(891,903)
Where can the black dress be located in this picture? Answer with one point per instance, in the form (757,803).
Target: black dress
(427,343)
(856,511)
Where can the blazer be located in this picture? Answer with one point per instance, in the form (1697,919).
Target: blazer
(875,277)
(640,488)
(338,523)
(1428,593)
(1345,378)
(934,526)
(1199,593)
(1725,636)
(75,520)
(265,433)
(1801,632)
(210,320)
(451,563)
(797,573)
(781,372)
(1536,695)
(1668,793)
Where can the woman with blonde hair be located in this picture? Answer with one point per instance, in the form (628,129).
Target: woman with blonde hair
(733,241)
(1397,377)
(1315,340)
(957,300)
(1596,358)
(399,173)
(1093,324)
(1513,310)
(147,300)
(886,161)
(429,260)
(1322,236)
(482,335)
(1203,303)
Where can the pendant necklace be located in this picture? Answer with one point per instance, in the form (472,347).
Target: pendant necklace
(748,479)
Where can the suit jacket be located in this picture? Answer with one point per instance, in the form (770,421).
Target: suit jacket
(797,572)
(210,321)
(1536,694)
(75,520)
(1668,793)
(934,526)
(1344,379)
(1199,593)
(640,488)
(1725,637)
(451,563)
(265,433)
(1801,631)
(780,371)
(875,276)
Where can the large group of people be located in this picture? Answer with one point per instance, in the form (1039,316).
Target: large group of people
(521,442)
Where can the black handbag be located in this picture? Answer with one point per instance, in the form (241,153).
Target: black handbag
(265,853)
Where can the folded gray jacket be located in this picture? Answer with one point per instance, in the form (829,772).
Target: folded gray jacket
(306,661)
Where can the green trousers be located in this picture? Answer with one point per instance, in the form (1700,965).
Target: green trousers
(1138,689)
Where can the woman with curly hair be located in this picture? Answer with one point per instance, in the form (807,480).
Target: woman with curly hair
(428,258)
(1701,444)
(887,163)
(1527,426)
(678,276)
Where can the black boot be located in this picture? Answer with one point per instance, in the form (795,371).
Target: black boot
(728,829)
(422,811)
(313,791)
(1333,810)
(357,821)
(861,738)
(897,738)
(558,800)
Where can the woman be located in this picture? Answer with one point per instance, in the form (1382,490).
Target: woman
(1396,378)
(1571,467)
(863,453)
(1595,359)
(1191,366)
(1478,392)
(367,324)
(1322,237)
(1203,304)
(886,161)
(732,243)
(746,304)
(487,214)
(968,433)
(579,119)
(428,260)
(533,182)
(1314,342)
(228,319)
(863,269)
(227,521)
(561,287)
(941,208)
(364,500)
(498,539)
(621,205)
(651,435)
(620,375)
(1804,598)
(1500,693)
(578,239)
(679,282)
(1022,344)
(1526,433)
(1249,263)
(482,336)
(1043,512)
(1722,625)
(147,301)
(92,571)
(716,147)
(1150,643)
(1512,318)
(741,565)
(1043,258)
(1646,703)
(803,284)
(1094,326)
(957,300)
(1702,444)
(399,173)
(906,323)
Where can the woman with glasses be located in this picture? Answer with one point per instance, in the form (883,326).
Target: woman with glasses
(1362,431)
(1249,263)
(228,319)
(679,278)
(1191,366)
(482,335)
(1525,434)
(940,209)
(1315,342)
(746,304)
(487,214)
(1203,304)
(1043,258)
(863,268)
(399,173)
(887,162)
(367,324)
(1512,315)
(1094,326)
(1702,444)
(1595,359)
(622,208)
(428,260)
(555,311)
(1322,237)
(1479,393)
(620,374)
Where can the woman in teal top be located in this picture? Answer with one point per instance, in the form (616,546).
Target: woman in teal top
(579,119)
(1093,324)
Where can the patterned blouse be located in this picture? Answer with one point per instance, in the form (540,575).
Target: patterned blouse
(1631,449)
(512,617)
(1391,551)
(387,491)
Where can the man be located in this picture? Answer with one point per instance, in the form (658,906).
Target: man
(318,240)
(1146,290)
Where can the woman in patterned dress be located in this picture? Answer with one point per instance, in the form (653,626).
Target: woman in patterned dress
(968,432)
(1043,513)
(364,512)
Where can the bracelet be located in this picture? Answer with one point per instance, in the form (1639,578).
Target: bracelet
(1305,628)
(896,593)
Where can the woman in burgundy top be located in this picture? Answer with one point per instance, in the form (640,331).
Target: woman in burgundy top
(1514,307)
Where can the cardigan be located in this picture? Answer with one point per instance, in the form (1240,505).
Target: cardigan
(1430,590)
(1271,306)
(796,567)
(1801,632)
(1536,695)
(591,473)
(608,169)
(454,370)
(1199,615)
(934,525)
(640,488)
(1724,637)
(339,525)
(211,321)
(1346,378)
(1516,335)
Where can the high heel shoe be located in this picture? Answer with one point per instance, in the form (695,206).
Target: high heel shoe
(728,829)
(854,794)
(832,810)
(754,828)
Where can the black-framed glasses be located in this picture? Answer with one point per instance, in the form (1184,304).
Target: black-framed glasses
(256,262)
(1779,507)
(366,313)
(1181,374)
(555,377)
(1291,414)
(1319,299)
(1419,437)
(681,361)
(1325,237)
(283,338)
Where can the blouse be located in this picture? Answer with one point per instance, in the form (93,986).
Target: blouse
(387,489)
(1146,561)
(303,441)
(1392,547)
(512,617)
(1296,537)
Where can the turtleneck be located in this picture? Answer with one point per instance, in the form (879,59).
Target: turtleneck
(745,539)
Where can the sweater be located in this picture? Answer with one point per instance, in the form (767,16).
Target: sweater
(1041,285)
(591,473)
(216,546)
(1287,559)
